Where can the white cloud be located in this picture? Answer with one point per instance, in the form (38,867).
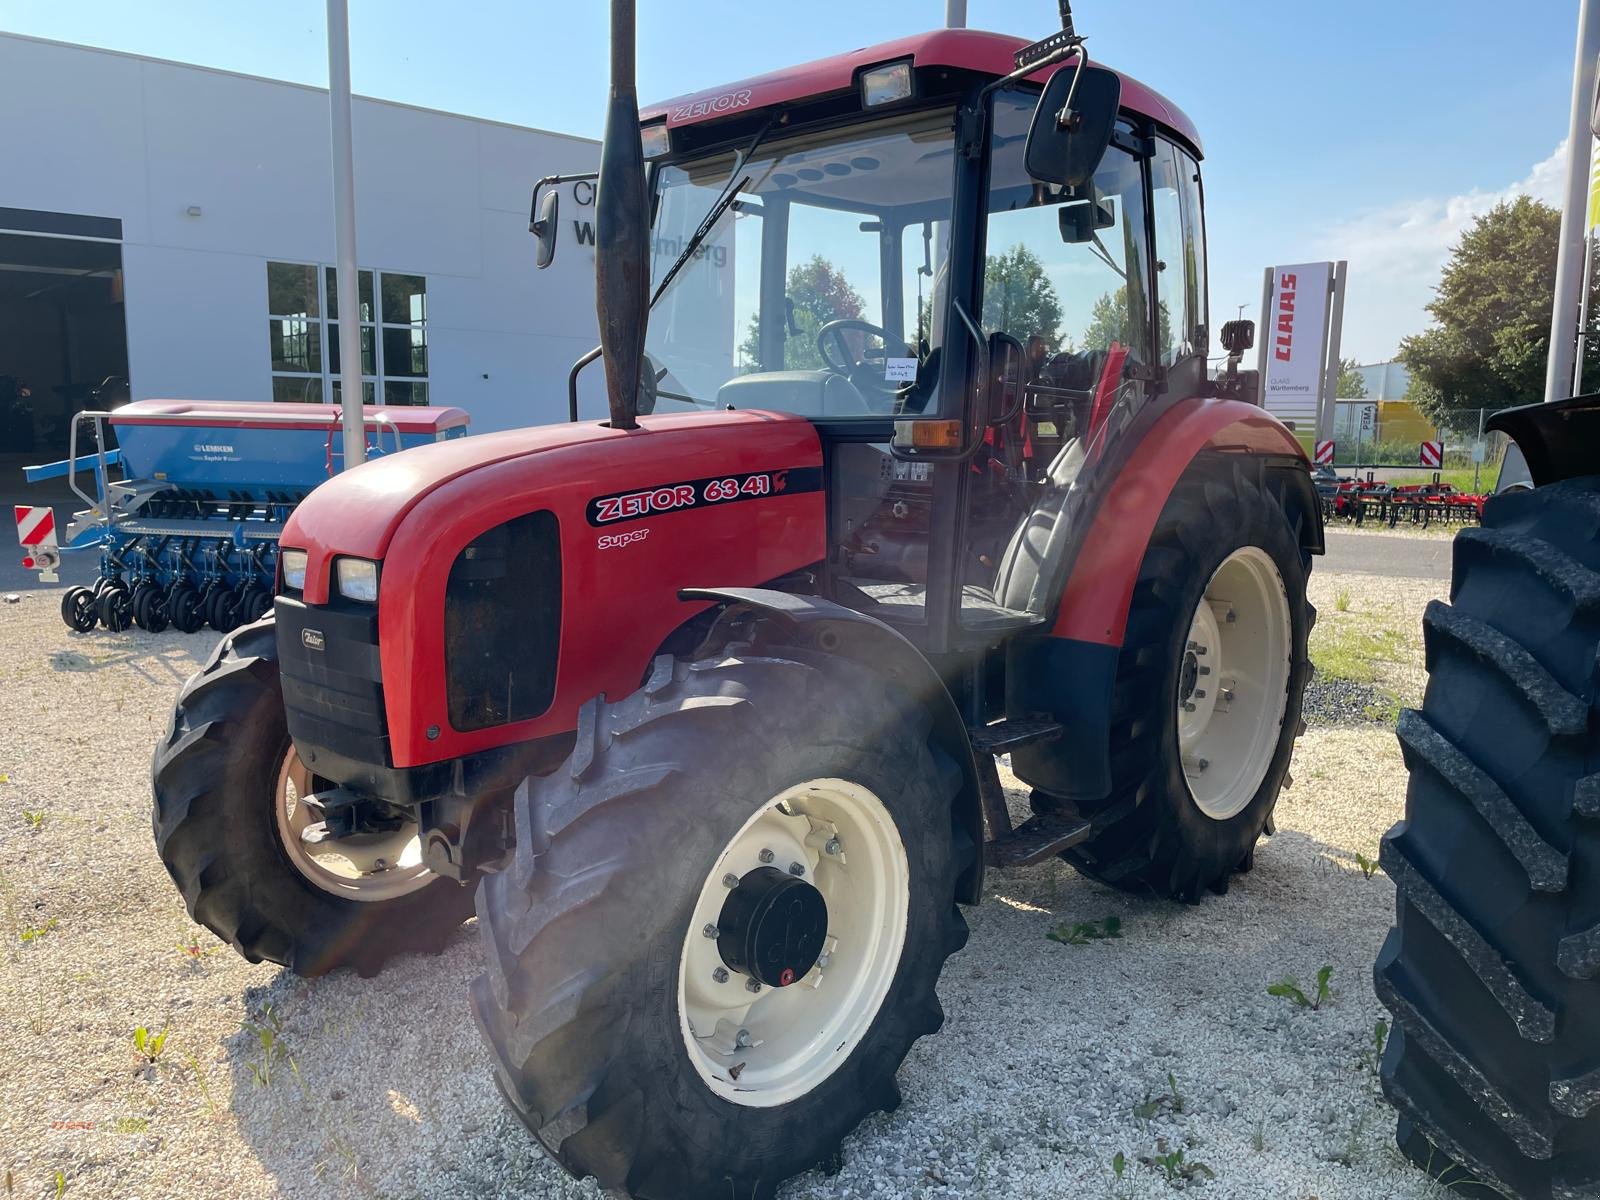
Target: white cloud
(1396,252)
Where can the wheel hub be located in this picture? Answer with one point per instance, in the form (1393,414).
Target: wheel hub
(772,927)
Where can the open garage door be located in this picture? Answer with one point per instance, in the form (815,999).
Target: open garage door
(63,338)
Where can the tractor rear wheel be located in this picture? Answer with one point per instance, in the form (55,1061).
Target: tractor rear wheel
(724,923)
(1206,705)
(1492,970)
(230,825)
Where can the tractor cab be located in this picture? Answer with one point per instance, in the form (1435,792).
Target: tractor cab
(861,241)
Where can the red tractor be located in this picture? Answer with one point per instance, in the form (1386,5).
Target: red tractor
(913,461)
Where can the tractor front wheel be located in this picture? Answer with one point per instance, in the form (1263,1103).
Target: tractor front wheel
(724,924)
(1206,705)
(234,831)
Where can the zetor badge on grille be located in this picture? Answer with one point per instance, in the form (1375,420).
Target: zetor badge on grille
(698,707)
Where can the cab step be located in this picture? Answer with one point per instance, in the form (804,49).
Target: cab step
(1037,839)
(1002,737)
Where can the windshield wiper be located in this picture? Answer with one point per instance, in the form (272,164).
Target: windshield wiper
(730,192)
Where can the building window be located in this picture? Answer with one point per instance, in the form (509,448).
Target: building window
(303,329)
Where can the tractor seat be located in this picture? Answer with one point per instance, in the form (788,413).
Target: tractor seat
(1016,601)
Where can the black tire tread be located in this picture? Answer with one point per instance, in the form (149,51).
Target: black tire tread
(555,1020)
(1491,968)
(225,718)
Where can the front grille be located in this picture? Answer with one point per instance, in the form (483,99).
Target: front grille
(333,684)
(502,623)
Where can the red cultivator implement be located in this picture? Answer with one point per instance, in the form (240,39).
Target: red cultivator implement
(1360,501)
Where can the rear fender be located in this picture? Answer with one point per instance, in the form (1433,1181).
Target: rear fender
(1071,673)
(1099,579)
(1559,440)
(813,621)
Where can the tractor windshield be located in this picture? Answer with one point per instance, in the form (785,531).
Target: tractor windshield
(812,293)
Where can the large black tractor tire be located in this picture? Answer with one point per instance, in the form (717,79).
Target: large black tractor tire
(1492,970)
(1150,833)
(585,932)
(215,778)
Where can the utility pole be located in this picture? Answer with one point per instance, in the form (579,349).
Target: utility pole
(344,233)
(1574,213)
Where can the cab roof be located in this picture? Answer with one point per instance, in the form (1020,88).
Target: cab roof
(962,49)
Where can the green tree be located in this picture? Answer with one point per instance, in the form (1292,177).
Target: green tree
(1109,322)
(819,293)
(1490,339)
(1352,383)
(1019,298)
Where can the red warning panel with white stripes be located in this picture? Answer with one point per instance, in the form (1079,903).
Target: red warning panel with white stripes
(1431,454)
(36,526)
(36,534)
(1324,454)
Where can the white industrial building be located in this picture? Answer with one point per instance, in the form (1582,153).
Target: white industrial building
(166,223)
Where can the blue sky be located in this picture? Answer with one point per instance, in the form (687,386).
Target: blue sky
(1365,130)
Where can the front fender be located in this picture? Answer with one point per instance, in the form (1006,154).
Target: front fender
(838,630)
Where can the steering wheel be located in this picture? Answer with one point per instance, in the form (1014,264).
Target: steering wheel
(865,372)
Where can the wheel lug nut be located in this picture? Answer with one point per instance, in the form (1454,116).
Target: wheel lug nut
(1205,670)
(1226,697)
(720,974)
(833,846)
(1188,706)
(710,931)
(742,1038)
(1199,693)
(752,985)
(796,869)
(730,880)
(766,856)
(823,959)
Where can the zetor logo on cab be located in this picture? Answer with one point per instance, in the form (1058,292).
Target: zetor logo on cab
(697,493)
(726,102)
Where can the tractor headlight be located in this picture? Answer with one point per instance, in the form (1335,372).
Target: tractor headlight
(358,579)
(294,569)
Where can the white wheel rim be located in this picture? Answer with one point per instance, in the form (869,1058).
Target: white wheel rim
(768,1047)
(365,866)
(1233,683)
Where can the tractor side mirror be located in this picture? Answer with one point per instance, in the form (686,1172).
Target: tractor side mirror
(543,226)
(1073,124)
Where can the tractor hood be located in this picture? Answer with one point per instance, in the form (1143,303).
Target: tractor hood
(358,512)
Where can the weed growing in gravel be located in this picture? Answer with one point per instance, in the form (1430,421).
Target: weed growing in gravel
(339,1158)
(1369,866)
(1342,601)
(1380,1037)
(269,1032)
(1351,1152)
(149,1045)
(61,1185)
(36,932)
(1153,1106)
(35,818)
(194,951)
(1177,1170)
(1258,1137)
(1288,989)
(1081,933)
(1119,1165)
(204,1085)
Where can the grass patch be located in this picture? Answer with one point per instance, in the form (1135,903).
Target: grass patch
(1352,646)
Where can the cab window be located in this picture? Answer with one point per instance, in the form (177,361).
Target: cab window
(1180,254)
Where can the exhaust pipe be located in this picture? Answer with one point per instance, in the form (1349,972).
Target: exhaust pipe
(622,231)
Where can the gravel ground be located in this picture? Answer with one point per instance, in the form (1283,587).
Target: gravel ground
(1054,1058)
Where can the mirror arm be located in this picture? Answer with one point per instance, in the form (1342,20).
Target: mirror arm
(572,383)
(553,181)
